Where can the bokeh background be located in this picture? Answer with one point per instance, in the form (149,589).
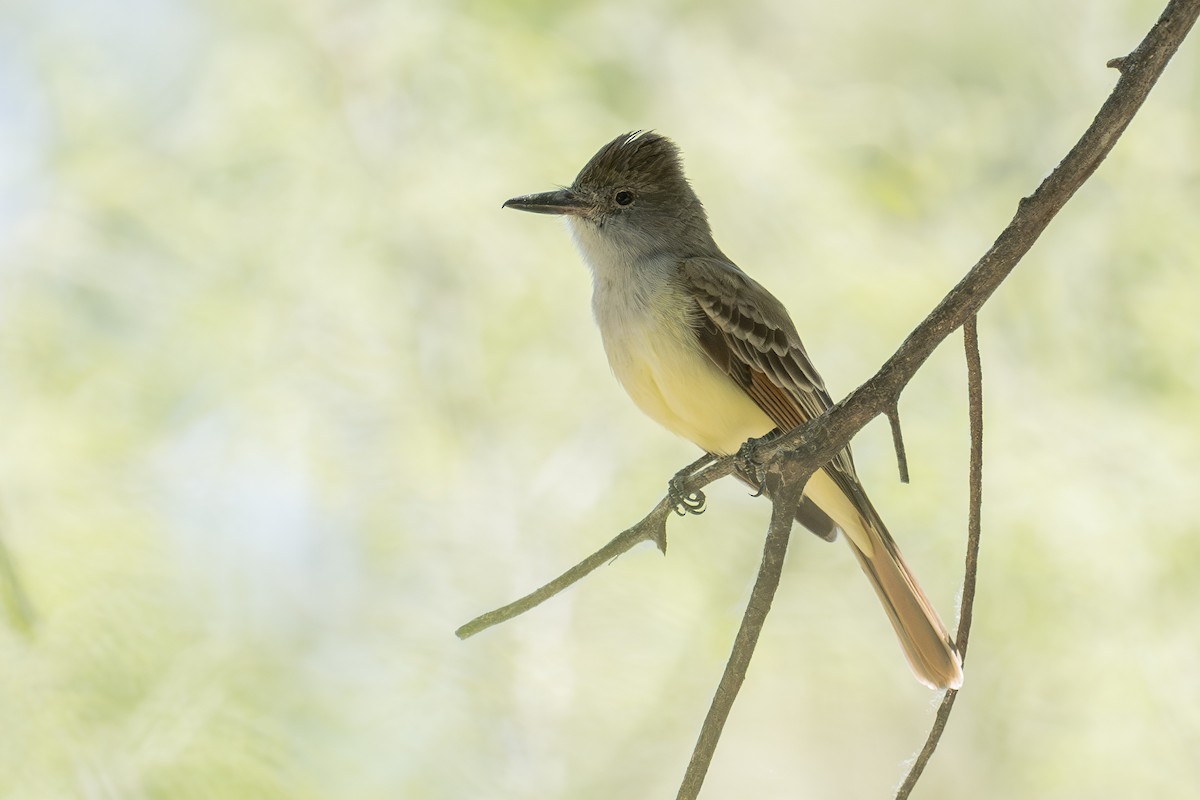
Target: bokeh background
(286,398)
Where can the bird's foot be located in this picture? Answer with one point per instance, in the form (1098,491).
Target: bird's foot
(682,501)
(751,464)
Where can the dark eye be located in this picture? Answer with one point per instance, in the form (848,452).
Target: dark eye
(623,197)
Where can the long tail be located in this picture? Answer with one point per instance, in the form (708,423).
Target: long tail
(828,507)
(930,650)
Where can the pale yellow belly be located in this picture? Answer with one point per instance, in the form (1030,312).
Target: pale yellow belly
(678,386)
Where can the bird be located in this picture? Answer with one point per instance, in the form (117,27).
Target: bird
(708,353)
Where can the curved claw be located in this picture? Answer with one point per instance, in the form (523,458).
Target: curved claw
(683,503)
(693,503)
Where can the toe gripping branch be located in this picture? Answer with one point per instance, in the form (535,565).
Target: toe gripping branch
(683,500)
(750,464)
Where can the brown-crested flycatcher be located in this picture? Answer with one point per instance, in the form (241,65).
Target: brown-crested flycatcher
(712,356)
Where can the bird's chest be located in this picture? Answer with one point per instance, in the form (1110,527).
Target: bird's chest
(655,354)
(646,348)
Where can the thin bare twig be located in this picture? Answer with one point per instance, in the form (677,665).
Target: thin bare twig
(893,415)
(652,527)
(785,497)
(974,515)
(971,569)
(931,743)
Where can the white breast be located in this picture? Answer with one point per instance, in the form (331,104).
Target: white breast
(645,321)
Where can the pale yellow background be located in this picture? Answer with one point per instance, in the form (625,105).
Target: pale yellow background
(286,397)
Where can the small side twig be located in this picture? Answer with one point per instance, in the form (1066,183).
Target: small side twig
(967,604)
(893,415)
(651,528)
(974,524)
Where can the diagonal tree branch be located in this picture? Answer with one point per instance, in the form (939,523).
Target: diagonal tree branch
(652,527)
(893,415)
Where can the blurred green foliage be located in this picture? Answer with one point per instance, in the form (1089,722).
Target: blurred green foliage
(287,398)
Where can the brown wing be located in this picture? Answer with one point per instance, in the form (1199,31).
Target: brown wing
(748,333)
(754,333)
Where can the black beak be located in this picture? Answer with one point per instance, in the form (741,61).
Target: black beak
(560,201)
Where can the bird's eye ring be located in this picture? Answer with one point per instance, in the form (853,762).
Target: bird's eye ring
(623,197)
